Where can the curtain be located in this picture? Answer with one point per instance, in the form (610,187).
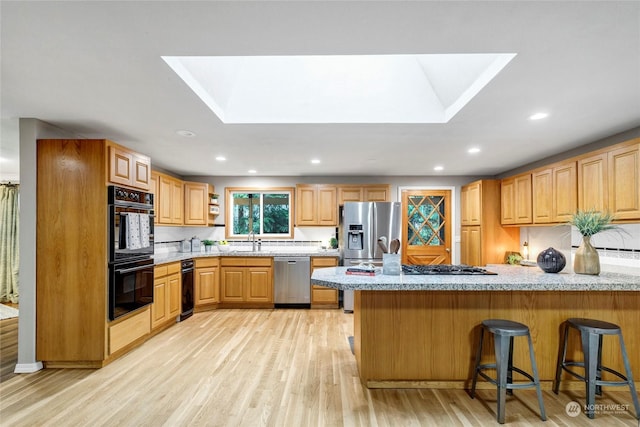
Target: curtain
(9,243)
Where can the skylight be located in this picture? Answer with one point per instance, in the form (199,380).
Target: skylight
(338,88)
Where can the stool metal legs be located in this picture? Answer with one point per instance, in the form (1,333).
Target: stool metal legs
(592,353)
(503,346)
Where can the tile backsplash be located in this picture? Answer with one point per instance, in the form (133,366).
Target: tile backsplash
(619,249)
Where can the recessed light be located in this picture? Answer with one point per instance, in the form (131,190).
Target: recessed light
(438,168)
(186,133)
(315,161)
(221,158)
(538,116)
(473,150)
(252,171)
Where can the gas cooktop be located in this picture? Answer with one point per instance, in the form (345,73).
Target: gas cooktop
(444,269)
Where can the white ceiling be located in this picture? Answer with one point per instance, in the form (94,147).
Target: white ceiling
(95,68)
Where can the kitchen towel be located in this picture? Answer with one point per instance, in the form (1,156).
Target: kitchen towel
(133,231)
(145,230)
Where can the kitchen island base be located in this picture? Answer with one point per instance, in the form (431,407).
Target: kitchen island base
(426,339)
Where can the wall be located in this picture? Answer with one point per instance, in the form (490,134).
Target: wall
(29,131)
(619,249)
(9,150)
(166,234)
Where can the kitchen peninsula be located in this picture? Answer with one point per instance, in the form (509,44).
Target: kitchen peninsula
(421,331)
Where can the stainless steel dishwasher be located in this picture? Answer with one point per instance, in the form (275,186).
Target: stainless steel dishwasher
(292,277)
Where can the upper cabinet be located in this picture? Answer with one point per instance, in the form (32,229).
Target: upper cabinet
(169,199)
(316,205)
(554,193)
(182,203)
(624,181)
(606,180)
(128,168)
(609,180)
(363,193)
(197,196)
(470,198)
(516,200)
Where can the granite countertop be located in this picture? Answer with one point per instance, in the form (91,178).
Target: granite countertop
(163,258)
(508,278)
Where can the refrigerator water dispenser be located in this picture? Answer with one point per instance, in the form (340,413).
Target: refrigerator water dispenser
(355,237)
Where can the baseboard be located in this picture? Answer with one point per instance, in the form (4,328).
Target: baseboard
(27,368)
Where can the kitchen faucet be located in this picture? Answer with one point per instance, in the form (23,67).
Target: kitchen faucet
(252,236)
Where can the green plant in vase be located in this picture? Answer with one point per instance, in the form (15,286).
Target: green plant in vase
(588,223)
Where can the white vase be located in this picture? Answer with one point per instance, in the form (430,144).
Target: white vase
(587,260)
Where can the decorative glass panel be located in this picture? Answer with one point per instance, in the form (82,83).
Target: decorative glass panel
(426,221)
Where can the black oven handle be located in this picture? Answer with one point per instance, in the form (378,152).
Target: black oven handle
(129,270)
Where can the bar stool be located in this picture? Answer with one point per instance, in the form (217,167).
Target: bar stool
(591,333)
(504,331)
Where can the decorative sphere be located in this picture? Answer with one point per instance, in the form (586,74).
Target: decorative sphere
(551,260)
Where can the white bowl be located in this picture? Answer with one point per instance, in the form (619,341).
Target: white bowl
(224,248)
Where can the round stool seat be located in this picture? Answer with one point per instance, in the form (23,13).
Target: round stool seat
(505,327)
(599,327)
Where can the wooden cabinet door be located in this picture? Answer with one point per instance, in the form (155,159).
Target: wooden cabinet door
(174,296)
(306,205)
(159,312)
(523,199)
(471,201)
(543,196)
(196,196)
(624,182)
(322,296)
(120,166)
(141,172)
(259,284)
(232,284)
(349,194)
(471,245)
(565,192)
(593,192)
(177,202)
(154,188)
(376,194)
(164,211)
(207,286)
(327,208)
(508,201)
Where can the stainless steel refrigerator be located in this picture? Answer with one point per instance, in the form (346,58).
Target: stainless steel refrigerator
(361,225)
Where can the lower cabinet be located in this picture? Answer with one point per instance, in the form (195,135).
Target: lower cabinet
(246,280)
(207,282)
(125,332)
(323,297)
(167,297)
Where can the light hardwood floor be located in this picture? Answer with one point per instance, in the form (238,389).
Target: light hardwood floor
(260,367)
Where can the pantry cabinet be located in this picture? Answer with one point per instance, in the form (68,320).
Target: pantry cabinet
(206,282)
(129,168)
(246,281)
(321,296)
(71,313)
(316,205)
(167,297)
(483,240)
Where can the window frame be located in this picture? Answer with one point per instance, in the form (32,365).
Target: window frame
(228,202)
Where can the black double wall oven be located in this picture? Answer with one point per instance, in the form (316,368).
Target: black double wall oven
(130,250)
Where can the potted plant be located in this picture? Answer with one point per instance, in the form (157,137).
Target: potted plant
(588,223)
(207,245)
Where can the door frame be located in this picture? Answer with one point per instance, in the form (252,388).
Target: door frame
(455,232)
